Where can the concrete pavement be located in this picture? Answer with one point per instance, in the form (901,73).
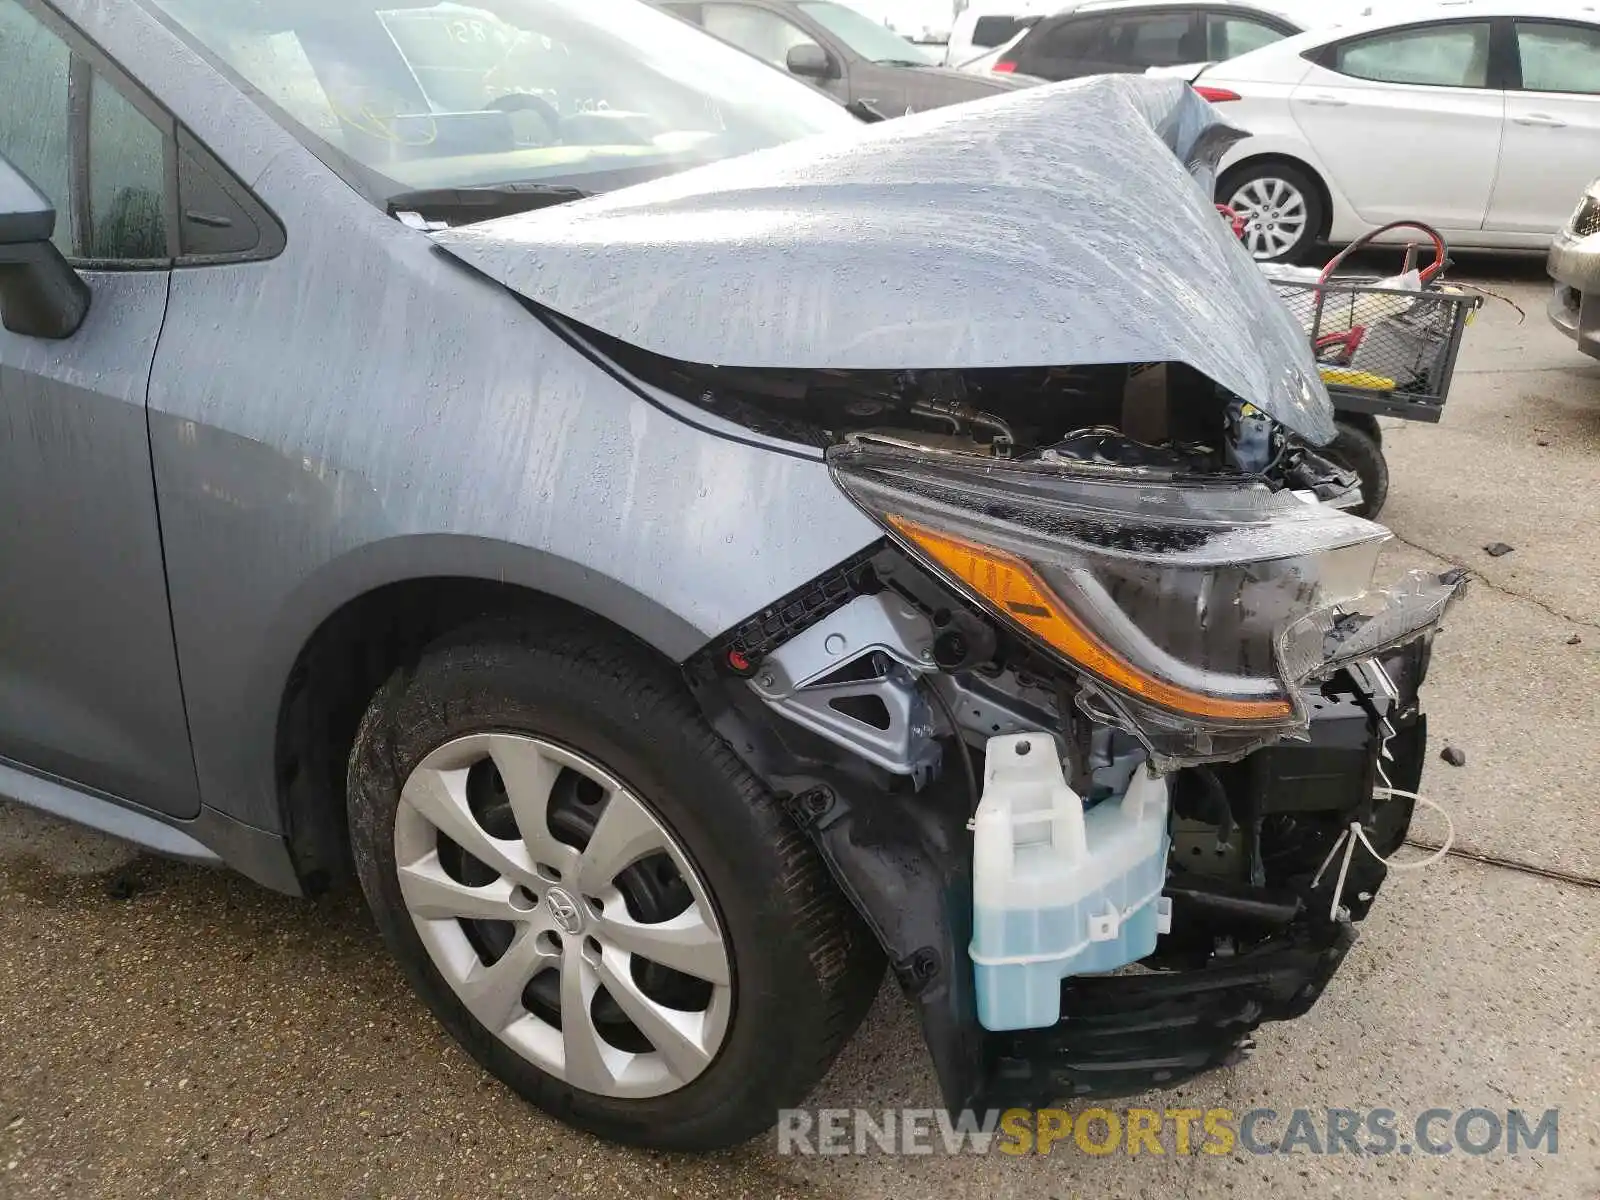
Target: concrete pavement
(176,1032)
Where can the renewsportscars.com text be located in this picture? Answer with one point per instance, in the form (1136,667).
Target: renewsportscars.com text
(1179,1131)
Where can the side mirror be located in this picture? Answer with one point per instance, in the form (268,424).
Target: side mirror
(809,61)
(40,294)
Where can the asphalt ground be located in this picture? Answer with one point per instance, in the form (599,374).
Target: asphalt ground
(173,1031)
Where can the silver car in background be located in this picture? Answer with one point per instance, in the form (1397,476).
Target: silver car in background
(1574,264)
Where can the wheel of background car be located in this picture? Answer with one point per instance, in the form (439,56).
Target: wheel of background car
(593,894)
(526,102)
(1357,450)
(1281,206)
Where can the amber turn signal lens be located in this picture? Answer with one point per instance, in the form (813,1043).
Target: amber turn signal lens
(1014,589)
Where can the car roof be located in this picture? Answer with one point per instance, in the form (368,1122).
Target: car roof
(1301,13)
(1101,5)
(1374,15)
(1061,8)
(1016,8)
(1274,8)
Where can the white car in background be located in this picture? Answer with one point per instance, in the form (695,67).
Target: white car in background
(984,27)
(1481,118)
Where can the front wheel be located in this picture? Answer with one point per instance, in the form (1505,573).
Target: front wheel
(1281,208)
(1357,450)
(594,895)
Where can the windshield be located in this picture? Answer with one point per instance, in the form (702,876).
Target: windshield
(866,37)
(398,95)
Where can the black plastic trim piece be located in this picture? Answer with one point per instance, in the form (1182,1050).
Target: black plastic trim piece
(202,177)
(568,335)
(1127,1034)
(1505,56)
(759,635)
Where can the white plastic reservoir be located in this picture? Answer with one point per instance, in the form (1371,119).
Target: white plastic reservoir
(1058,891)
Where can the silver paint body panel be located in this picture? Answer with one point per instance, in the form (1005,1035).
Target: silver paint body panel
(418,422)
(1054,226)
(88,675)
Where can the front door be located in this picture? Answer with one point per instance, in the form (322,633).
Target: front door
(88,672)
(769,36)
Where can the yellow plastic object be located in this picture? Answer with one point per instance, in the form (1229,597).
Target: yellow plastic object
(1015,589)
(1345,377)
(1472,312)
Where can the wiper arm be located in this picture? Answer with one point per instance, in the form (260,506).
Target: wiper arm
(463,206)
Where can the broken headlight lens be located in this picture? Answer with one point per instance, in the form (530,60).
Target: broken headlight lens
(1188,607)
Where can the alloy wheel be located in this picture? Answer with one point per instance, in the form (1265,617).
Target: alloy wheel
(563,914)
(1275,215)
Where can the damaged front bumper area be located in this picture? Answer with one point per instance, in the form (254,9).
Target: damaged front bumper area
(1255,934)
(1088,439)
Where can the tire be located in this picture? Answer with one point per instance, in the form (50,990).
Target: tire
(1272,195)
(1356,450)
(801,968)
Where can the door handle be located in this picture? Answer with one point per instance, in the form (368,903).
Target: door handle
(1326,100)
(1542,120)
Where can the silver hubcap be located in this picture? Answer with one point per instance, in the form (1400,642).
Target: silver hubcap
(1274,213)
(601,962)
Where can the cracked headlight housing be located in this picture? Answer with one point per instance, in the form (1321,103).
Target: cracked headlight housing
(1190,608)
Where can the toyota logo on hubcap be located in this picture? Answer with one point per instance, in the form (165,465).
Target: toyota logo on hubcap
(565,910)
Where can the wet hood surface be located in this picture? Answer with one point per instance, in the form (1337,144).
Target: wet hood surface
(1051,226)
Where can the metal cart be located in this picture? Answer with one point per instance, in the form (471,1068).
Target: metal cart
(1385,347)
(1385,351)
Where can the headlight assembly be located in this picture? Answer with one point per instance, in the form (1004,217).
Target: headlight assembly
(1190,608)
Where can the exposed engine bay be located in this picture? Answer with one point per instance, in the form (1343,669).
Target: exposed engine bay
(1163,416)
(898,660)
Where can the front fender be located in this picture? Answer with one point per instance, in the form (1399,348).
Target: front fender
(362,409)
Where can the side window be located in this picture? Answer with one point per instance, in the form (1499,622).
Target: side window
(989,32)
(1559,58)
(754,30)
(1455,55)
(1229,37)
(111,205)
(127,180)
(1083,38)
(1155,40)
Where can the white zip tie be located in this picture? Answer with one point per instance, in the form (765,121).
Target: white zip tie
(1349,837)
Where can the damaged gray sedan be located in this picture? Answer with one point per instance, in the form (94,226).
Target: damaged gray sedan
(832,547)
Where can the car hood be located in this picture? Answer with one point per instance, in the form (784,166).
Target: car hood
(969,82)
(1052,226)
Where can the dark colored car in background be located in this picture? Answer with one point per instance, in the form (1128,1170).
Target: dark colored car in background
(1131,38)
(844,52)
